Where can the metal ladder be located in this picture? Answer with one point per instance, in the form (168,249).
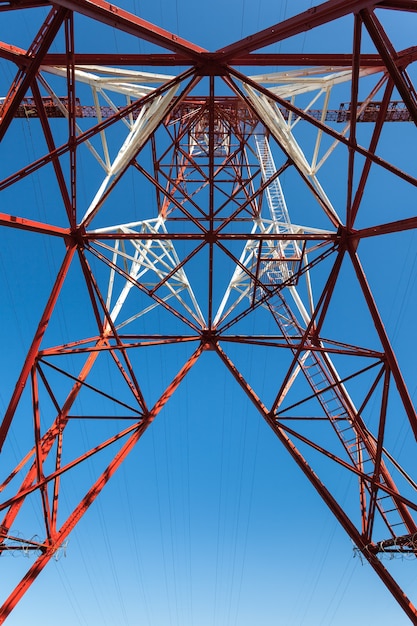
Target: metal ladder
(340,411)
(286,253)
(317,368)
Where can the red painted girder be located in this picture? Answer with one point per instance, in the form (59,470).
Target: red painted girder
(336,60)
(145,290)
(51,147)
(33,350)
(326,496)
(347,524)
(378,483)
(326,129)
(316,16)
(18,56)
(13,53)
(40,475)
(33,226)
(369,518)
(372,148)
(305,334)
(254,59)
(68,526)
(16,4)
(394,111)
(72,127)
(60,422)
(119,18)
(60,536)
(97,299)
(236,52)
(409,223)
(276,341)
(383,337)
(389,56)
(354,87)
(33,484)
(135,341)
(85,136)
(353,118)
(402,5)
(129,23)
(25,76)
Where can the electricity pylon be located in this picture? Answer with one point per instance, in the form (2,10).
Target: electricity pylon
(184,237)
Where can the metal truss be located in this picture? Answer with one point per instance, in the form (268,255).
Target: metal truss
(206,248)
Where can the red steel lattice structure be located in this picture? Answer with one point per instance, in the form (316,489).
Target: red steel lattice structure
(209,146)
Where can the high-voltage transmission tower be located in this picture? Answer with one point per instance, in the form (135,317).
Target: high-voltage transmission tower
(211,201)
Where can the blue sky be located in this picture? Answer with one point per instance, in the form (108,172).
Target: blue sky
(208,522)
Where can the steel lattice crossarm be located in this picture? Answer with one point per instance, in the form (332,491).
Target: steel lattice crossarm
(396,111)
(205,208)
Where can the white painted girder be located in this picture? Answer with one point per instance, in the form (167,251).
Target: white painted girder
(148,119)
(143,260)
(147,262)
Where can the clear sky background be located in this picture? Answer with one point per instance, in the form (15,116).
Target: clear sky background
(208,522)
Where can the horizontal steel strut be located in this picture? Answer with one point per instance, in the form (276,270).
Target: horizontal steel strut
(396,112)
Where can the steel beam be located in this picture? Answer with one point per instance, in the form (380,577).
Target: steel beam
(316,16)
(116,17)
